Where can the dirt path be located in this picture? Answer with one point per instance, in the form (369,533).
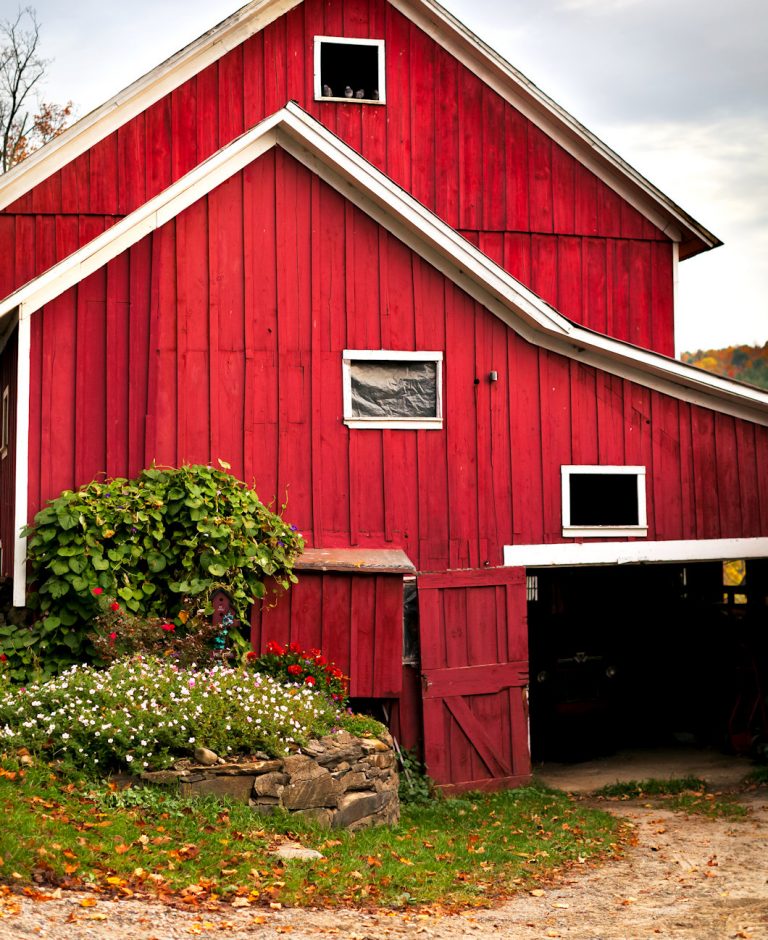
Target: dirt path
(686,878)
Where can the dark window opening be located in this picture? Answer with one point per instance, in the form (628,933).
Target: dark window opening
(599,499)
(348,70)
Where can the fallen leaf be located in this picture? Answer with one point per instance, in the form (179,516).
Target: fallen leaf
(88,902)
(536,893)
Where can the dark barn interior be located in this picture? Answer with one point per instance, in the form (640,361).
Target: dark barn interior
(638,656)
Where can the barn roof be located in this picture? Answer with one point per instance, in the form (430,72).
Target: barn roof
(356,179)
(445,29)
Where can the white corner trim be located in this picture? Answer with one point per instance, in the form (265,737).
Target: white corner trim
(627,553)
(420,423)
(22,461)
(345,40)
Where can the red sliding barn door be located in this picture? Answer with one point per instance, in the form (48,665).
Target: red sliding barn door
(474,657)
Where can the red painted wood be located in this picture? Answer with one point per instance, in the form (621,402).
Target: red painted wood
(226,327)
(466,638)
(445,136)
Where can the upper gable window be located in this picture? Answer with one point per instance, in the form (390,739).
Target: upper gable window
(604,501)
(392,389)
(349,70)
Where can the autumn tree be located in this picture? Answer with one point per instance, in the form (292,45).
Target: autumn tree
(26,122)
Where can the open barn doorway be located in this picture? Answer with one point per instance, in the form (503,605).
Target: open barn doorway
(647,656)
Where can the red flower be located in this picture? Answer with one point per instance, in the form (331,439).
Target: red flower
(250,655)
(274,647)
(310,680)
(294,648)
(320,660)
(112,638)
(295,670)
(168,627)
(3,658)
(114,606)
(97,590)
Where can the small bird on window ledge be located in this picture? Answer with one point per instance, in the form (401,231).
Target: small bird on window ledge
(360,93)
(348,93)
(327,91)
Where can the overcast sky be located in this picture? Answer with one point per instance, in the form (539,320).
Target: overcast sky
(678,89)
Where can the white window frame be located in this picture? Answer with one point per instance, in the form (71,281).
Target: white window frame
(5,423)
(577,531)
(391,355)
(345,40)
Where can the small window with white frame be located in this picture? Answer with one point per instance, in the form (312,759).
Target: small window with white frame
(604,501)
(386,388)
(5,426)
(349,71)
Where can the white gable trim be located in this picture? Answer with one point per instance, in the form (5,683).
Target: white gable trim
(373,192)
(633,553)
(437,22)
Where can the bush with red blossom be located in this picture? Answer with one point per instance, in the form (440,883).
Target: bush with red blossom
(291,663)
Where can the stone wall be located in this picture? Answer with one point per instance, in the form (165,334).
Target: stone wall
(340,781)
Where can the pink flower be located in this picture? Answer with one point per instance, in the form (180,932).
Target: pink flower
(114,606)
(168,627)
(112,638)
(97,590)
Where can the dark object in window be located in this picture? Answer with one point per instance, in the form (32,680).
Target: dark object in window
(391,389)
(604,499)
(351,70)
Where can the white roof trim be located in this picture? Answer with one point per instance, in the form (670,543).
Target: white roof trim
(436,22)
(360,182)
(633,553)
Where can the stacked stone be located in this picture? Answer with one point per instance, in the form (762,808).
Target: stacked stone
(340,781)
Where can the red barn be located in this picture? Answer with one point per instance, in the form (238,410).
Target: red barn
(347,248)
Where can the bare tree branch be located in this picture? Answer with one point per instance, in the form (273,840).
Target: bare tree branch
(23,126)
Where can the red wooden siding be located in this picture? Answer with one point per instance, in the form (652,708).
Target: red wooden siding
(474,662)
(220,336)
(8,462)
(455,144)
(355,619)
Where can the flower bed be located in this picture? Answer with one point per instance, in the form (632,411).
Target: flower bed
(340,781)
(144,714)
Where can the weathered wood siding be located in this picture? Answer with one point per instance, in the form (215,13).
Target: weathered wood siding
(220,336)
(442,135)
(355,619)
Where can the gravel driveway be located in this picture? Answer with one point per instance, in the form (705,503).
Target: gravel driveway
(686,877)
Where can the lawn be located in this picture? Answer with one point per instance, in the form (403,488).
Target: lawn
(64,829)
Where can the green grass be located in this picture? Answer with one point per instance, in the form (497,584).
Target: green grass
(637,789)
(680,794)
(73,832)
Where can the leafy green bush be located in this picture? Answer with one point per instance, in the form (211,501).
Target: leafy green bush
(144,714)
(160,543)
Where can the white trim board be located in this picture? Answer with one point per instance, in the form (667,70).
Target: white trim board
(633,553)
(374,193)
(22,463)
(438,23)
